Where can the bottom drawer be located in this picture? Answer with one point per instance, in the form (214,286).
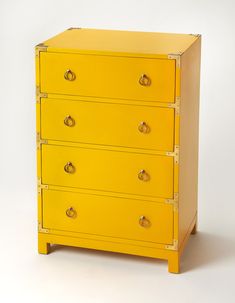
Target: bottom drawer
(108,216)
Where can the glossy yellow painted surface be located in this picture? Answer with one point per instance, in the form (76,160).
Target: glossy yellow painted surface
(107,103)
(108,170)
(120,126)
(124,43)
(110,245)
(112,217)
(107,76)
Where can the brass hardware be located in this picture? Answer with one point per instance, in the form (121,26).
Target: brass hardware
(174,154)
(69,168)
(40,141)
(175,57)
(144,128)
(41,186)
(144,222)
(173,246)
(144,80)
(175,105)
(174,202)
(40,95)
(177,150)
(69,29)
(41,47)
(143,175)
(195,35)
(69,75)
(71,213)
(69,121)
(41,229)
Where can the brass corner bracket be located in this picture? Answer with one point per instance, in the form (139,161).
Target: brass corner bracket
(175,57)
(195,35)
(173,246)
(41,47)
(175,105)
(174,154)
(40,141)
(41,229)
(71,28)
(40,95)
(41,186)
(174,202)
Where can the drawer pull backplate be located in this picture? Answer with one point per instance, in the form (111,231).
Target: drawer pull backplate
(143,127)
(69,75)
(71,213)
(143,175)
(144,222)
(69,121)
(144,80)
(69,168)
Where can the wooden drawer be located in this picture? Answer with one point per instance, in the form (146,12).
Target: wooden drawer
(133,173)
(109,124)
(108,216)
(107,76)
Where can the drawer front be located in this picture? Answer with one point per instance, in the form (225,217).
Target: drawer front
(106,76)
(109,124)
(115,171)
(108,216)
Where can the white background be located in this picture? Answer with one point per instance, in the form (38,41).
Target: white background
(208,264)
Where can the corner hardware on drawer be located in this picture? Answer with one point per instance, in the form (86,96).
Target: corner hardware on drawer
(175,105)
(174,246)
(71,28)
(174,202)
(40,141)
(41,229)
(195,35)
(40,95)
(174,154)
(41,186)
(41,47)
(175,57)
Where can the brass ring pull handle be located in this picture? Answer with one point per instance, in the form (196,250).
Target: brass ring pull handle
(71,213)
(69,168)
(143,175)
(69,121)
(69,75)
(144,222)
(144,80)
(144,128)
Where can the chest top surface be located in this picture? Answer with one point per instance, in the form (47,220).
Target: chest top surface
(117,42)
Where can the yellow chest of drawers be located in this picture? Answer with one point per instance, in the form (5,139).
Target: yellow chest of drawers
(117,141)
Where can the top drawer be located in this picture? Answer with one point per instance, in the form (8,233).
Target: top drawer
(107,76)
